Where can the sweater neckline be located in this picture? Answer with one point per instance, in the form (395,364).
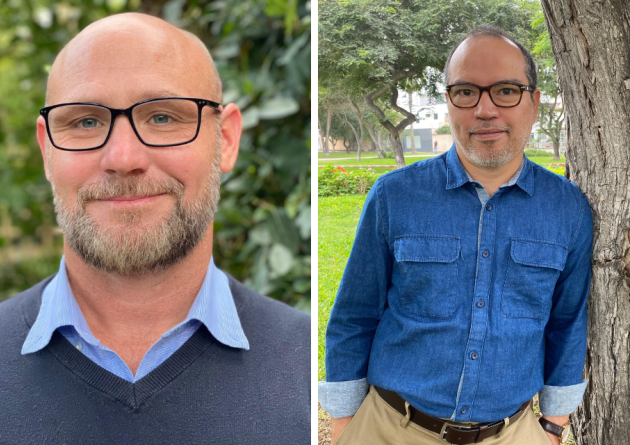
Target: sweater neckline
(132,395)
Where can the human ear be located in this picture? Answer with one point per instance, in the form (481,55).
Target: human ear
(41,140)
(231,128)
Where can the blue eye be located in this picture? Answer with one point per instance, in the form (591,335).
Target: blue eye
(160,119)
(89,123)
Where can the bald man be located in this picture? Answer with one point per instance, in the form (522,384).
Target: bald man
(139,338)
(465,291)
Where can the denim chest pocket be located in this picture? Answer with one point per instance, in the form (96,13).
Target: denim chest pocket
(532,272)
(428,274)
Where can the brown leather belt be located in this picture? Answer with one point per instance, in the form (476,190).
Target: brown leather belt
(448,433)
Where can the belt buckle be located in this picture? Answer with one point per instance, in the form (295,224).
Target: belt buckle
(443,432)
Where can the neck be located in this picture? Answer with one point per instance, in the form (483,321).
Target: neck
(129,314)
(491,179)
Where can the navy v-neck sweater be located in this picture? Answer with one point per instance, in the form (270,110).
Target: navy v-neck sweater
(205,393)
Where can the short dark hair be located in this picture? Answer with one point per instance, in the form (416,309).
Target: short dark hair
(495,31)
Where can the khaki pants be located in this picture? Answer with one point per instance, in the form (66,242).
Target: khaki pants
(378,423)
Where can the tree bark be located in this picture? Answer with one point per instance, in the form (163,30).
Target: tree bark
(376,140)
(328,121)
(556,149)
(319,133)
(551,124)
(413,136)
(359,115)
(379,143)
(591,45)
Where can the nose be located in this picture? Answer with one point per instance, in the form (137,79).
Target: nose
(124,154)
(486,109)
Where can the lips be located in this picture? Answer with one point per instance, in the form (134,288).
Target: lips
(125,201)
(128,198)
(490,133)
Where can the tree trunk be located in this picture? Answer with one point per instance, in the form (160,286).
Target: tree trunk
(380,151)
(591,45)
(376,141)
(413,136)
(398,150)
(319,133)
(556,149)
(328,120)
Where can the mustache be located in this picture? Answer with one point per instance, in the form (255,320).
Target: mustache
(114,187)
(488,125)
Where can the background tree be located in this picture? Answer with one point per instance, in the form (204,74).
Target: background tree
(262,51)
(341,131)
(373,48)
(325,104)
(550,110)
(358,126)
(444,129)
(591,45)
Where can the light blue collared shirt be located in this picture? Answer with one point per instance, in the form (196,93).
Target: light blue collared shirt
(214,307)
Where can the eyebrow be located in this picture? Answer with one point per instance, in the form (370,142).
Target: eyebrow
(145,95)
(158,94)
(463,82)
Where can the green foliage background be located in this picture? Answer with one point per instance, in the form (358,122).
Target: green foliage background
(262,51)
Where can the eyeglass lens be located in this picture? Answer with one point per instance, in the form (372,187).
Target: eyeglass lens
(163,122)
(502,95)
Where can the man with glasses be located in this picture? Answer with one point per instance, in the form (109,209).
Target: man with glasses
(139,338)
(465,291)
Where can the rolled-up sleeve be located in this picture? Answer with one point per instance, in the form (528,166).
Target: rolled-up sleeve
(565,334)
(357,310)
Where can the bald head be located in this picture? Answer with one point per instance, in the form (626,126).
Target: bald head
(141,54)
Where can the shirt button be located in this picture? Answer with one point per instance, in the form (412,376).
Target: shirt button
(474,355)
(485,253)
(480,304)
(489,207)
(463,410)
(79,346)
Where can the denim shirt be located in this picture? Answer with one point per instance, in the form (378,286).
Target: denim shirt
(463,307)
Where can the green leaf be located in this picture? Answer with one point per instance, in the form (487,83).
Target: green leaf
(280,259)
(278,108)
(250,118)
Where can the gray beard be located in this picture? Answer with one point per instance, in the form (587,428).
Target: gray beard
(132,248)
(490,160)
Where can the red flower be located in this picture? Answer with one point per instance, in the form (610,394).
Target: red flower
(340,169)
(345,183)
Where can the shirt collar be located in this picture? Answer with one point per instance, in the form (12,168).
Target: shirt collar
(214,307)
(456,175)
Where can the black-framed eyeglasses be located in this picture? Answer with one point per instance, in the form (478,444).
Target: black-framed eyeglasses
(502,94)
(163,122)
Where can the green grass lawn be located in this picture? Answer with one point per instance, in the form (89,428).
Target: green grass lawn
(409,159)
(544,160)
(343,154)
(337,218)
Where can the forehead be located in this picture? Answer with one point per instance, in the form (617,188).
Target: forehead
(119,67)
(483,60)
